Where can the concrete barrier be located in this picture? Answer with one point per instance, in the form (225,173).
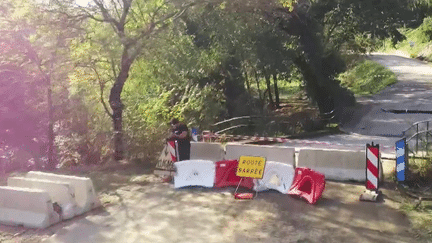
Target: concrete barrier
(342,165)
(26,206)
(277,176)
(194,173)
(207,151)
(280,154)
(85,195)
(62,193)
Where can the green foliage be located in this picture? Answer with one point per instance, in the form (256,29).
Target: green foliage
(417,43)
(422,167)
(366,78)
(420,217)
(90,148)
(424,32)
(356,26)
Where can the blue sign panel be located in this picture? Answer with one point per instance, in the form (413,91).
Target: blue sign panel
(400,159)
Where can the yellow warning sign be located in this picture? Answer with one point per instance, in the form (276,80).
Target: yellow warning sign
(251,167)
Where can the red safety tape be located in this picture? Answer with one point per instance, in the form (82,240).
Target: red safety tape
(281,140)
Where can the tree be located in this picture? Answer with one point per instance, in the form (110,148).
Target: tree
(135,24)
(38,46)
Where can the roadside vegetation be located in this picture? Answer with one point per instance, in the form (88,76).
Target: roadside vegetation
(88,85)
(415,41)
(367,78)
(420,216)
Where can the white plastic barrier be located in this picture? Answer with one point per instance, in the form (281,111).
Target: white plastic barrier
(26,206)
(85,195)
(207,151)
(341,165)
(277,176)
(194,173)
(280,154)
(62,193)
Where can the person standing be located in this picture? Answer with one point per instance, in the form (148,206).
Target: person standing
(180,133)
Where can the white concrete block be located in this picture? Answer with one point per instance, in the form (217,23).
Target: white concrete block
(85,195)
(26,206)
(342,165)
(194,173)
(207,151)
(280,154)
(277,176)
(62,193)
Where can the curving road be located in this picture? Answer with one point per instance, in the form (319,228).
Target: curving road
(412,91)
(367,122)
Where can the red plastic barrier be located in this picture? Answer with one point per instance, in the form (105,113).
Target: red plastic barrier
(226,175)
(308,184)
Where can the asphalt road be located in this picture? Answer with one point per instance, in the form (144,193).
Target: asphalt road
(368,123)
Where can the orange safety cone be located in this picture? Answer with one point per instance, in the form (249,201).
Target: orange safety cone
(307,184)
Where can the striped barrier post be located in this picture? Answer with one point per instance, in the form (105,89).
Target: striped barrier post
(166,160)
(401,160)
(372,167)
(173,150)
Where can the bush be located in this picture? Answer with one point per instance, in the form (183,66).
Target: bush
(91,148)
(366,78)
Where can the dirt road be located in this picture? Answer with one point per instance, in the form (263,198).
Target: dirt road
(138,208)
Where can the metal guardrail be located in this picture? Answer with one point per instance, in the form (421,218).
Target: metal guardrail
(419,136)
(268,123)
(245,121)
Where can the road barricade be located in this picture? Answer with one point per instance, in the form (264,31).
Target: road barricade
(85,195)
(194,173)
(226,175)
(280,154)
(340,165)
(26,206)
(207,151)
(307,184)
(277,176)
(62,193)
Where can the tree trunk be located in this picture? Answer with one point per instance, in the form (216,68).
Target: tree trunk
(258,86)
(276,90)
(51,162)
(247,82)
(117,105)
(267,78)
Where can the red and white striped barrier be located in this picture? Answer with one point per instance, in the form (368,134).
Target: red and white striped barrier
(208,137)
(372,167)
(173,150)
